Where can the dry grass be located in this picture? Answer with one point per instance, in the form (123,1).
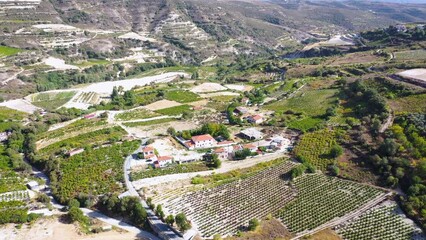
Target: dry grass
(326,234)
(268,229)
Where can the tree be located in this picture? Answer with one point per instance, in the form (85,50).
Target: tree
(215,161)
(43,198)
(182,222)
(334,170)
(171,131)
(76,215)
(139,214)
(253,224)
(170,220)
(389,147)
(336,151)
(159,211)
(74,203)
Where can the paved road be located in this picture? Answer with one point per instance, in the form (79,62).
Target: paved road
(226,167)
(162,229)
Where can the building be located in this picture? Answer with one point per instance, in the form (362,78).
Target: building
(251,147)
(256,119)
(203,141)
(224,153)
(90,116)
(163,161)
(251,134)
(148,150)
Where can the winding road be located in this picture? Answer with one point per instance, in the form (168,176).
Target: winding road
(163,230)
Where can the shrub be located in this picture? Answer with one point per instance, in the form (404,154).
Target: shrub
(253,224)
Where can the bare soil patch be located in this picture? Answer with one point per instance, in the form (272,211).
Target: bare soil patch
(208,87)
(162,104)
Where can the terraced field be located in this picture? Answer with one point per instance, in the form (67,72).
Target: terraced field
(308,202)
(384,222)
(53,100)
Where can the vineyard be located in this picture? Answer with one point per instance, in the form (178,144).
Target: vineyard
(10,181)
(174,169)
(77,126)
(52,100)
(14,196)
(384,222)
(8,117)
(94,172)
(321,199)
(315,147)
(226,208)
(88,98)
(92,139)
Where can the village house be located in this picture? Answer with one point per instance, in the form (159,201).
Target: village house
(203,141)
(251,147)
(224,153)
(163,161)
(256,119)
(148,150)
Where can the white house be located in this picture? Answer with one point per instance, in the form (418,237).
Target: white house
(163,161)
(203,141)
(148,150)
(4,136)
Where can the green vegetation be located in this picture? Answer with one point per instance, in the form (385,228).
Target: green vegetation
(93,172)
(140,113)
(222,178)
(86,140)
(305,124)
(380,223)
(9,118)
(181,96)
(174,111)
(310,102)
(173,169)
(411,55)
(149,123)
(91,62)
(51,101)
(413,103)
(129,208)
(8,51)
(315,148)
(77,126)
(321,199)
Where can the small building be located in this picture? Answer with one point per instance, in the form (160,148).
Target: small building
(224,153)
(203,141)
(225,143)
(148,150)
(251,134)
(163,161)
(256,119)
(33,185)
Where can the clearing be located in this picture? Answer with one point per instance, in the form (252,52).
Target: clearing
(20,105)
(162,104)
(208,87)
(58,64)
(8,51)
(417,74)
(51,100)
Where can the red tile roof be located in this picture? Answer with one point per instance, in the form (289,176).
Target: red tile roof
(225,143)
(164,158)
(250,146)
(201,138)
(219,150)
(148,149)
(256,117)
